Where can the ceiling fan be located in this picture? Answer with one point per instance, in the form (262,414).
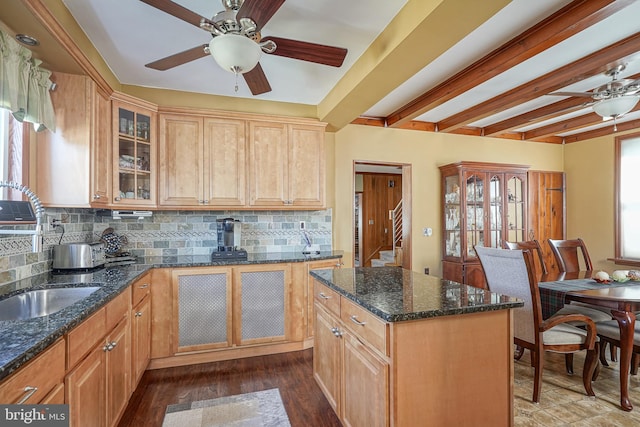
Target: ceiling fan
(237,43)
(613,99)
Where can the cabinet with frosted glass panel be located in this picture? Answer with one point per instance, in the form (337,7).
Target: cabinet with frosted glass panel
(483,204)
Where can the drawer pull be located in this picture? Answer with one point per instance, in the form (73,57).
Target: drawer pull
(355,320)
(29,390)
(145,286)
(323,296)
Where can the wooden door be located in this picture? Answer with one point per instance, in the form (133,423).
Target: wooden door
(327,355)
(380,194)
(140,340)
(118,371)
(306,183)
(85,389)
(366,385)
(181,161)
(546,218)
(225,162)
(101,167)
(268,164)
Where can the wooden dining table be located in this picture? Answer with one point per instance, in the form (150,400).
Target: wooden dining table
(622,298)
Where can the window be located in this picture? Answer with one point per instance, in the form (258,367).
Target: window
(14,154)
(628,198)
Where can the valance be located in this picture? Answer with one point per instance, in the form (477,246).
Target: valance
(24,85)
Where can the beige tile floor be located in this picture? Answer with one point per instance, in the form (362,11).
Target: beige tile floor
(563,400)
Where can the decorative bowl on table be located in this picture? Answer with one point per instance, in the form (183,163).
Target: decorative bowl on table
(620,276)
(602,277)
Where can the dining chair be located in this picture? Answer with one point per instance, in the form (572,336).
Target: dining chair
(541,269)
(566,255)
(510,272)
(609,333)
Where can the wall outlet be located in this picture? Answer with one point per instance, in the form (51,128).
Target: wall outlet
(427,231)
(303,226)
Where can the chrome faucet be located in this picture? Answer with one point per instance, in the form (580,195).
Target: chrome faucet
(37,241)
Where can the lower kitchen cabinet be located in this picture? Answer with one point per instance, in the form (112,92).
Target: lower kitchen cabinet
(353,377)
(140,328)
(98,387)
(316,265)
(39,381)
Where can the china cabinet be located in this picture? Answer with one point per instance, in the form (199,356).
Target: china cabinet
(134,156)
(483,204)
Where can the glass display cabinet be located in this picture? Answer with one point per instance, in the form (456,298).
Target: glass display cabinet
(483,204)
(134,180)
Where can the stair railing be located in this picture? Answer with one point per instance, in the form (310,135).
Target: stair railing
(396,226)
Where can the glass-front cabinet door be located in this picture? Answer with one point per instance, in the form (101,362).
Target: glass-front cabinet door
(475,212)
(496,189)
(515,205)
(452,216)
(134,180)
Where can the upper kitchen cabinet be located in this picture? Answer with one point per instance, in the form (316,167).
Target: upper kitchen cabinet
(73,164)
(483,204)
(286,165)
(202,161)
(134,152)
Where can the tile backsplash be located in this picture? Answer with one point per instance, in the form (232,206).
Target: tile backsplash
(173,233)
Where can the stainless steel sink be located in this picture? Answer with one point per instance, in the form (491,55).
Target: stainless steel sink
(41,302)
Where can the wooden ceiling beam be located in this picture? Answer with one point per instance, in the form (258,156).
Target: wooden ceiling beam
(530,117)
(603,131)
(623,51)
(566,22)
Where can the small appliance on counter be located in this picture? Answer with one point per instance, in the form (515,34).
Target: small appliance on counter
(229,239)
(78,256)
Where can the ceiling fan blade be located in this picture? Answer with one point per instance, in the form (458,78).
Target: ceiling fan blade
(311,52)
(259,10)
(178,58)
(176,10)
(585,94)
(257,80)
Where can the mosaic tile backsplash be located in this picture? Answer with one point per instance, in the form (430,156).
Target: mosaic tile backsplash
(165,233)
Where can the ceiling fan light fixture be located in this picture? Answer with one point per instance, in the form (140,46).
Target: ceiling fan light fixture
(615,106)
(235,53)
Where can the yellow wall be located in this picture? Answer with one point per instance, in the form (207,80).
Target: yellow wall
(589,167)
(425,151)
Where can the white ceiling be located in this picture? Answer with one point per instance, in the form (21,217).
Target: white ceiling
(129,34)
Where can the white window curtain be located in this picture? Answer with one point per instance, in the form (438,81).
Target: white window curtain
(24,86)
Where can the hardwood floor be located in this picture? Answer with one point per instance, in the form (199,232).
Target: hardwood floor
(563,401)
(291,373)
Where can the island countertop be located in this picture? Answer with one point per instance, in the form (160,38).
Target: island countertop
(395,294)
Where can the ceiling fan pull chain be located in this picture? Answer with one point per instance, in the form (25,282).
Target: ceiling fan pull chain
(237,82)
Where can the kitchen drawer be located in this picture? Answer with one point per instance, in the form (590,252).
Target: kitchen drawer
(365,325)
(328,298)
(85,336)
(117,309)
(140,289)
(43,373)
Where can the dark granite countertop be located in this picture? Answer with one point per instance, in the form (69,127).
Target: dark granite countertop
(395,294)
(21,340)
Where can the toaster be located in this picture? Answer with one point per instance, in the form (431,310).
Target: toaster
(78,256)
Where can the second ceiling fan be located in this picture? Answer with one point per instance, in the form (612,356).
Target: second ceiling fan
(237,42)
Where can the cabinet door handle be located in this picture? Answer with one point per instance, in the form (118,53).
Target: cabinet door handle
(145,286)
(113,345)
(339,264)
(117,199)
(355,320)
(138,314)
(336,332)
(323,296)
(29,390)
(206,202)
(96,196)
(107,347)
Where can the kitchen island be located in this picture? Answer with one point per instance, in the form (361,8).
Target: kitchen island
(399,348)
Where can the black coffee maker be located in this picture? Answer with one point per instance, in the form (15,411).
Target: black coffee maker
(229,240)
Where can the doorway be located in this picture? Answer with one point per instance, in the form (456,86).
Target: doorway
(382,214)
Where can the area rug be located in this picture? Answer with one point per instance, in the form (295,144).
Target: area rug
(258,409)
